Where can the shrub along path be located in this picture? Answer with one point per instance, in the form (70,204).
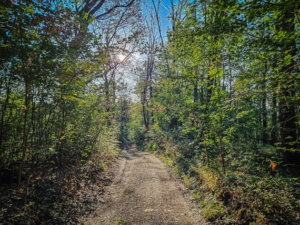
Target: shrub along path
(144,192)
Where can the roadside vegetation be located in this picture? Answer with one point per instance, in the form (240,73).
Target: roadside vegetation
(222,108)
(60,104)
(216,98)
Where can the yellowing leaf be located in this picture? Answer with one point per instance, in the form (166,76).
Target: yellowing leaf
(272,165)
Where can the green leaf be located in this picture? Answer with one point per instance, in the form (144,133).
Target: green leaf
(29,10)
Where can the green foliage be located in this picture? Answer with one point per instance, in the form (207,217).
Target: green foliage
(212,209)
(120,221)
(225,110)
(59,118)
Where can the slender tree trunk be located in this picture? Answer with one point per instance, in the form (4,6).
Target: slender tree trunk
(3,111)
(25,135)
(274,119)
(144,108)
(206,151)
(264,108)
(287,111)
(221,151)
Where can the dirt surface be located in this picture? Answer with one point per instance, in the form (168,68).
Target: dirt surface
(144,192)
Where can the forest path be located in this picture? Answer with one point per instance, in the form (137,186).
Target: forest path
(144,192)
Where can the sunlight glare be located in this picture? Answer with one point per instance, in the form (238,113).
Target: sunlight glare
(121,57)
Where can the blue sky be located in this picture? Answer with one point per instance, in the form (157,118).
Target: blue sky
(163,13)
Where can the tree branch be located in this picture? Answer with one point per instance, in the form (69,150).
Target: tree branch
(90,5)
(115,7)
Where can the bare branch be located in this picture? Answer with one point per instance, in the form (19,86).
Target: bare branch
(115,7)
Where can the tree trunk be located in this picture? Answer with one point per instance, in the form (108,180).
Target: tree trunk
(264,108)
(287,112)
(25,133)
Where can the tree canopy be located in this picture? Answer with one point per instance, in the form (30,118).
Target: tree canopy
(217,98)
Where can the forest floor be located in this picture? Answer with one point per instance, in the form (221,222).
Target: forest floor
(144,191)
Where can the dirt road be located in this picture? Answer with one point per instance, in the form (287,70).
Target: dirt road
(143,192)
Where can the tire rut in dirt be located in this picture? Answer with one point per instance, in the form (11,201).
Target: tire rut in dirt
(143,192)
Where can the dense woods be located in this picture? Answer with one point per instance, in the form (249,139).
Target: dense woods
(217,99)
(223,107)
(59,81)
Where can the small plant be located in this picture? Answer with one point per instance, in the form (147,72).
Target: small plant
(212,209)
(119,221)
(128,191)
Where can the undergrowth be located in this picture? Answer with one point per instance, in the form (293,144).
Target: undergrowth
(59,195)
(251,191)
